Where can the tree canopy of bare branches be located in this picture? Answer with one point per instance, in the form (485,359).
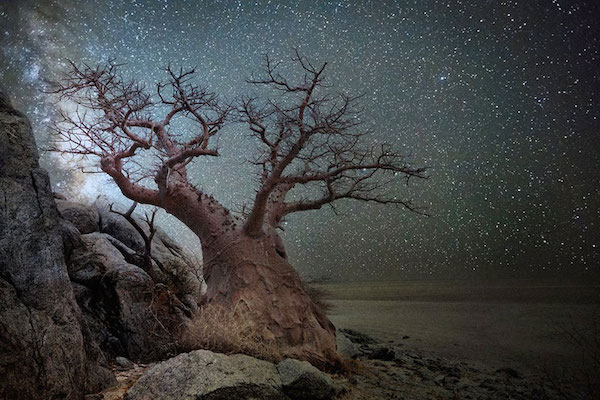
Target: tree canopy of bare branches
(309,137)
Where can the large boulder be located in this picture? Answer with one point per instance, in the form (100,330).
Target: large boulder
(84,217)
(135,308)
(46,350)
(170,263)
(300,380)
(203,375)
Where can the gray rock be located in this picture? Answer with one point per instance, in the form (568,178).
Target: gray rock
(345,346)
(71,237)
(124,363)
(170,262)
(382,353)
(46,350)
(121,302)
(89,263)
(203,375)
(302,381)
(85,218)
(134,308)
(358,337)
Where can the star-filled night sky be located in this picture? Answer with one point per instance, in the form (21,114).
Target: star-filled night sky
(501,99)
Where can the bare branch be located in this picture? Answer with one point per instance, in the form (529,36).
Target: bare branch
(308,136)
(147,237)
(314,137)
(106,116)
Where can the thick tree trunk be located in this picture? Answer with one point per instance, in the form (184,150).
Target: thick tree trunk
(265,293)
(252,278)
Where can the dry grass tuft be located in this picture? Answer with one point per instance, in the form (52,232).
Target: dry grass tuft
(219,329)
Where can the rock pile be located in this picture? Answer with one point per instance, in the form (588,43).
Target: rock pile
(202,374)
(135,308)
(409,375)
(388,371)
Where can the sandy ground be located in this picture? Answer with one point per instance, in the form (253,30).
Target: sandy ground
(521,324)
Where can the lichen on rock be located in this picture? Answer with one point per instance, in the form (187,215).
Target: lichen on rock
(46,349)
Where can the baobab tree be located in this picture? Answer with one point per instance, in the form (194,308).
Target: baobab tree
(313,153)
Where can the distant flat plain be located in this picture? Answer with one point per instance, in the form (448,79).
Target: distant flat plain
(522,324)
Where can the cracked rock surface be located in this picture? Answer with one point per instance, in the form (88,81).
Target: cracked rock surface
(46,349)
(136,308)
(202,374)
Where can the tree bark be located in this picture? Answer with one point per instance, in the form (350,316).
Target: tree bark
(265,292)
(251,277)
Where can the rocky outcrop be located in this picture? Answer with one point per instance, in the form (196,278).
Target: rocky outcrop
(202,374)
(46,350)
(84,217)
(135,308)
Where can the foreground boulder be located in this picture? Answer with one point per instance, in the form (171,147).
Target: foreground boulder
(135,307)
(46,350)
(345,346)
(202,374)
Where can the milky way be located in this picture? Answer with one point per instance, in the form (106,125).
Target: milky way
(499,98)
